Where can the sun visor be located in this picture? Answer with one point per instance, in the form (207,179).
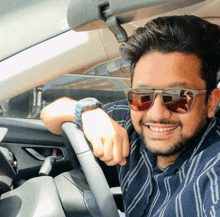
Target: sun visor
(86,15)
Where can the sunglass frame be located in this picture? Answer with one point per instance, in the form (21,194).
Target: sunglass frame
(160,91)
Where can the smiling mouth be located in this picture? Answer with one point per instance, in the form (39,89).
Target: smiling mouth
(161,129)
(159,132)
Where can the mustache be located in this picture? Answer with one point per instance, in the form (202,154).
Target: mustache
(148,121)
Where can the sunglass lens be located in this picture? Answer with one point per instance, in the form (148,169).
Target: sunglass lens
(140,101)
(179,101)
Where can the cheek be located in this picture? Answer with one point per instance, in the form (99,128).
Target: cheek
(194,121)
(189,123)
(136,117)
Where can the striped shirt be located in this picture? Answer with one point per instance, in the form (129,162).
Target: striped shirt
(190,187)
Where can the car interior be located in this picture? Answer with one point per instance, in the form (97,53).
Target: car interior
(50,49)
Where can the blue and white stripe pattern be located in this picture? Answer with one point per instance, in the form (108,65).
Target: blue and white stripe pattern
(190,187)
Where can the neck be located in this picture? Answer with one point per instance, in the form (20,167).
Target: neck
(164,162)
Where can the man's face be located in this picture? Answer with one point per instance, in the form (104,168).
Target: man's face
(166,133)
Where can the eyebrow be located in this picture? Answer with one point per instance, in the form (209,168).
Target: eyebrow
(175,84)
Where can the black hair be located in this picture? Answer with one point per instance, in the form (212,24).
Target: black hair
(186,34)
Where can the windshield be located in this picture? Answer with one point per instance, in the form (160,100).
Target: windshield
(106,82)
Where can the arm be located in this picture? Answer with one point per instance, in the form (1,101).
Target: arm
(109,139)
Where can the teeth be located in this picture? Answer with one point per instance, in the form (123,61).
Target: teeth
(161,129)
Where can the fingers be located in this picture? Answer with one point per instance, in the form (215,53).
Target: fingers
(126,146)
(108,152)
(117,153)
(98,148)
(123,162)
(112,153)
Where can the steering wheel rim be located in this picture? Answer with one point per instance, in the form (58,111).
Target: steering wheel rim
(92,170)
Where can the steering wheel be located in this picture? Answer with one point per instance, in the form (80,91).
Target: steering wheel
(92,170)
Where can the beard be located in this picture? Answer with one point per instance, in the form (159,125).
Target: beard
(184,141)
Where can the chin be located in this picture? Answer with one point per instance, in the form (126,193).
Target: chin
(161,148)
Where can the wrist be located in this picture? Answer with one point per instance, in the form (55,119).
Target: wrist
(84,105)
(92,116)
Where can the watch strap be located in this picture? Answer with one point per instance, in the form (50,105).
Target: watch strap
(80,107)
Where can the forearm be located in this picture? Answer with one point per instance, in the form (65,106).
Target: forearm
(63,110)
(58,112)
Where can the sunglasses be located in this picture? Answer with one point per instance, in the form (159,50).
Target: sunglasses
(177,100)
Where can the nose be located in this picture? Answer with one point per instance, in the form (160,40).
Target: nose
(158,112)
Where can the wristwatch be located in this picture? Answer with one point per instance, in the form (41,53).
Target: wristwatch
(83,105)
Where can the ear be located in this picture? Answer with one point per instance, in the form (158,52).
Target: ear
(213,102)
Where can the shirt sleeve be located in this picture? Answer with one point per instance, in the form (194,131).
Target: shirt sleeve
(118,111)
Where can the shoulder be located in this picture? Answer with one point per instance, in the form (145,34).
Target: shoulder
(119,111)
(118,105)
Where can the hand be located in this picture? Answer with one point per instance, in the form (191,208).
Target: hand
(108,138)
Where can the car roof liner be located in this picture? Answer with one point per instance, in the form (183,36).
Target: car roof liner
(86,15)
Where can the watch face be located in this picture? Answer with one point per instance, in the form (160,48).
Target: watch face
(89,102)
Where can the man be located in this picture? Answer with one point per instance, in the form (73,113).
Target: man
(167,143)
